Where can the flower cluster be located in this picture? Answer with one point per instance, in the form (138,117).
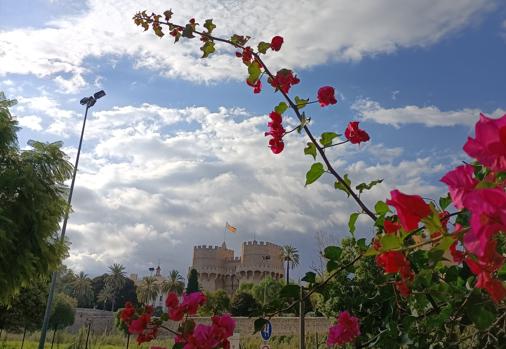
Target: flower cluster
(189,336)
(276,131)
(355,134)
(345,331)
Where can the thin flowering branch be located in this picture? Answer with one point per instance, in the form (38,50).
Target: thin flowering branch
(333,145)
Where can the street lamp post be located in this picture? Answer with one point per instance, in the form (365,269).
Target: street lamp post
(89,102)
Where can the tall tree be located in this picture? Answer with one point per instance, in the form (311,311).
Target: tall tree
(116,279)
(148,290)
(105,295)
(82,290)
(193,282)
(127,294)
(33,200)
(291,256)
(175,283)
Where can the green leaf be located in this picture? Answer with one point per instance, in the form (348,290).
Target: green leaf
(158,30)
(381,208)
(332,252)
(188,31)
(178,345)
(310,150)
(327,137)
(444,244)
(332,265)
(314,173)
(361,244)
(281,108)
(207,48)
(254,72)
(209,25)
(309,277)
(300,102)
(259,324)
(352,221)
(482,315)
(445,201)
(367,186)
(340,186)
(290,291)
(239,40)
(501,273)
(371,252)
(390,242)
(263,47)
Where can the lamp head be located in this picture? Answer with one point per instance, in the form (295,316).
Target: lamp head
(84,100)
(99,94)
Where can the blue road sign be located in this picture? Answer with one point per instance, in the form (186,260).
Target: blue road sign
(266,332)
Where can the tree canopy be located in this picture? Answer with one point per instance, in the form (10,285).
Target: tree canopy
(32,203)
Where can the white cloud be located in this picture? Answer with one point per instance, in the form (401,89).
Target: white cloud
(32,122)
(430,116)
(314,33)
(71,85)
(144,193)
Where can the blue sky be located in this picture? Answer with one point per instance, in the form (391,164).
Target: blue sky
(176,148)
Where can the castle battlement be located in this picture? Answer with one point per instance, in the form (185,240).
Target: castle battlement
(219,268)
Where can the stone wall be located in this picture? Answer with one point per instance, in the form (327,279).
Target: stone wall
(103,322)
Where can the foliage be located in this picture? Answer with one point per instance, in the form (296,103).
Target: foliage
(33,202)
(148,290)
(115,281)
(291,256)
(267,293)
(82,290)
(218,302)
(244,304)
(193,282)
(62,312)
(175,283)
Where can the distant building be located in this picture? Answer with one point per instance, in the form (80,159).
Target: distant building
(218,268)
(160,298)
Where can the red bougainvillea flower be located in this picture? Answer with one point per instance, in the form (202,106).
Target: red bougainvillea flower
(488,216)
(137,326)
(393,262)
(403,288)
(172,300)
(410,209)
(223,326)
(354,134)
(457,255)
(176,314)
(345,331)
(277,132)
(326,96)
(489,146)
(460,181)
(277,145)
(276,43)
(247,55)
(284,80)
(127,313)
(391,227)
(257,86)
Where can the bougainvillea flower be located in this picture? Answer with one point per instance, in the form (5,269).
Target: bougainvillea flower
(489,146)
(345,331)
(172,300)
(137,326)
(457,256)
(276,43)
(410,209)
(247,55)
(326,96)
(176,314)
(223,326)
(460,182)
(488,216)
(403,288)
(192,302)
(127,313)
(354,134)
(393,262)
(391,227)
(284,80)
(277,145)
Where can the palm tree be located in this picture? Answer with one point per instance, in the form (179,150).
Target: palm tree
(106,294)
(290,255)
(116,279)
(148,290)
(82,289)
(175,283)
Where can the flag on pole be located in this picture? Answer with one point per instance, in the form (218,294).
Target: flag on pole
(230,228)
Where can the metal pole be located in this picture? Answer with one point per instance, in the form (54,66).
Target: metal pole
(302,333)
(54,275)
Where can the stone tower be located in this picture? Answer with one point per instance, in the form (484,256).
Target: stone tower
(218,268)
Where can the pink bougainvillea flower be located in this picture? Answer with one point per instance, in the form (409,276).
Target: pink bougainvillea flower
(276,43)
(345,331)
(326,96)
(192,302)
(410,209)
(354,134)
(223,326)
(488,216)
(489,146)
(460,182)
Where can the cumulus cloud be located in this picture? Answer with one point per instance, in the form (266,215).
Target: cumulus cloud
(32,122)
(430,116)
(330,30)
(144,193)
